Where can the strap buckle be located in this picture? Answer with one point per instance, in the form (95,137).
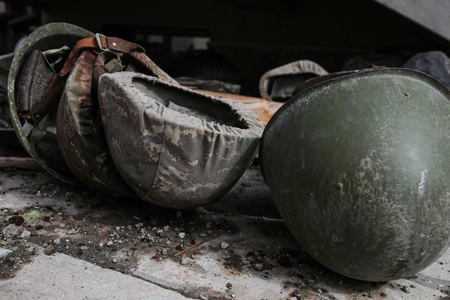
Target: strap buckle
(101,41)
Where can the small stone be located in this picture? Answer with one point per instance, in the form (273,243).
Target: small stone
(285,261)
(224,245)
(57,241)
(139,225)
(258,267)
(18,220)
(62,225)
(39,227)
(109,243)
(4,252)
(25,234)
(186,261)
(114,260)
(118,228)
(72,231)
(11,231)
(100,245)
(182,235)
(229,286)
(49,250)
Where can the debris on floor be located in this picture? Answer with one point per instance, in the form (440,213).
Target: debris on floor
(238,248)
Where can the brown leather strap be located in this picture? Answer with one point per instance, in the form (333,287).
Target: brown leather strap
(98,42)
(151,66)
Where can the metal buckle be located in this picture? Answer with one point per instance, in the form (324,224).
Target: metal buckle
(98,37)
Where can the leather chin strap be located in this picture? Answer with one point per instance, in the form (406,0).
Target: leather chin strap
(98,42)
(95,43)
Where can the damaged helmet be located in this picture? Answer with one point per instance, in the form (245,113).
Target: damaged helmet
(79,121)
(35,66)
(175,147)
(5,64)
(363,180)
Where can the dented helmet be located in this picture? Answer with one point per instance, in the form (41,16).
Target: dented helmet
(363,177)
(35,65)
(175,147)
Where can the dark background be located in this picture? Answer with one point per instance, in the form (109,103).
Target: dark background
(245,38)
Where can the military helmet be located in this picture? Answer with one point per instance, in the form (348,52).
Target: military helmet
(5,63)
(80,131)
(278,84)
(175,147)
(362,178)
(52,42)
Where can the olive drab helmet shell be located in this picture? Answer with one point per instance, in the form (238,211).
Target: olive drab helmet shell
(40,141)
(175,147)
(362,178)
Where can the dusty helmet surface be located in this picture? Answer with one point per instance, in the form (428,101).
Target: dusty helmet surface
(359,168)
(40,141)
(80,132)
(175,147)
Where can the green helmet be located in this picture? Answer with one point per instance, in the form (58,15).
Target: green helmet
(40,141)
(359,168)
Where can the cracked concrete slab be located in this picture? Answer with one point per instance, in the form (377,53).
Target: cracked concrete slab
(60,276)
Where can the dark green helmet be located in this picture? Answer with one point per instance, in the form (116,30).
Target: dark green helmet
(359,168)
(40,141)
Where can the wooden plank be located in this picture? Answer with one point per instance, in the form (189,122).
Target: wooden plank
(19,162)
(263,108)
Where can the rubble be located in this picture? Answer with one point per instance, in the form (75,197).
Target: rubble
(4,252)
(240,240)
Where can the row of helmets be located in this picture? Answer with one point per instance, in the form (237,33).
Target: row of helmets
(357,163)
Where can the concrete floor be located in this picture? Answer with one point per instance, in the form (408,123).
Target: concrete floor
(250,256)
